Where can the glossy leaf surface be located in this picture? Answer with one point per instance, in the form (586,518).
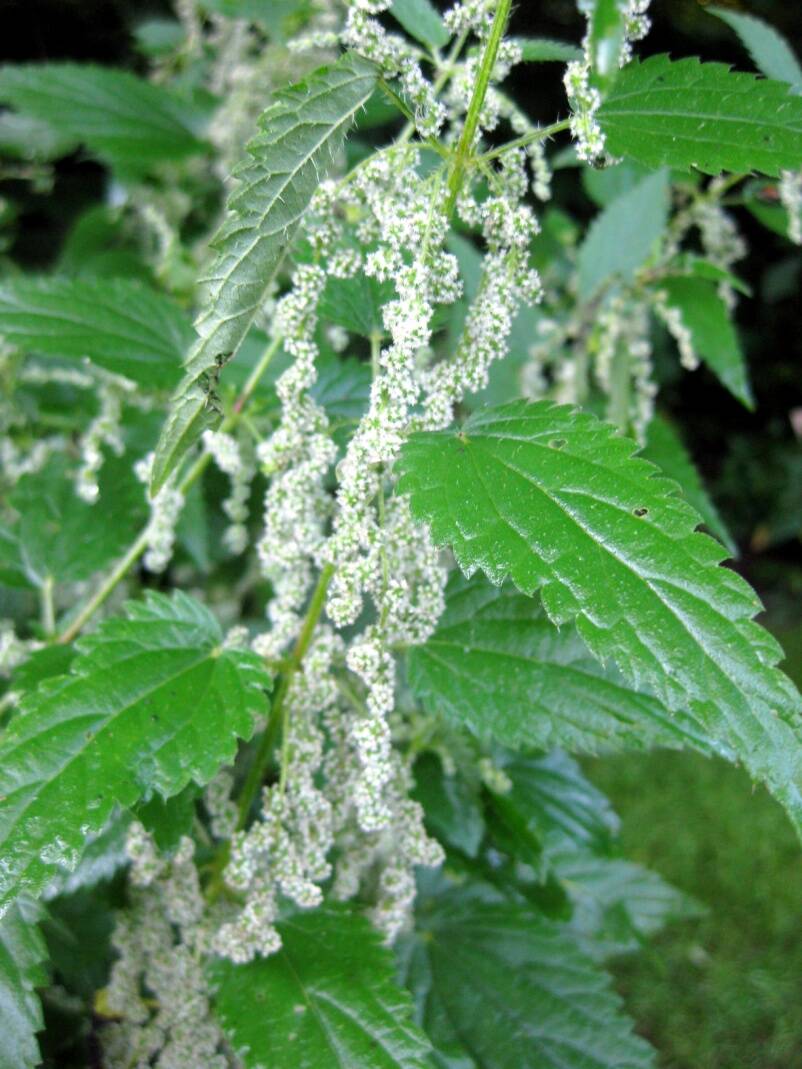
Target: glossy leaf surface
(152,702)
(327,1000)
(555,499)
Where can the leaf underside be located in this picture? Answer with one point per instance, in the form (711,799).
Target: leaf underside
(22,952)
(555,499)
(299,136)
(152,702)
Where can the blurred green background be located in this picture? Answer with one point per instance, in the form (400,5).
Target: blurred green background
(724,991)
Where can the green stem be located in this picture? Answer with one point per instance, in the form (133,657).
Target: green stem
(541,134)
(279,717)
(140,544)
(48,616)
(464,150)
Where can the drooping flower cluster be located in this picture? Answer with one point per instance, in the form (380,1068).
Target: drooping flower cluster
(791,199)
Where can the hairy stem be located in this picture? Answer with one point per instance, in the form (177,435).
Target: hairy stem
(140,544)
(464,148)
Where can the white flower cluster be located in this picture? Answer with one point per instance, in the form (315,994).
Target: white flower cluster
(623,364)
(165,510)
(232,459)
(298,456)
(13,649)
(672,318)
(159,941)
(791,199)
(721,240)
(103,430)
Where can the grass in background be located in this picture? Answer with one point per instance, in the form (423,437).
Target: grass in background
(723,992)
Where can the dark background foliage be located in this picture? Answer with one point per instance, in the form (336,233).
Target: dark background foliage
(723,992)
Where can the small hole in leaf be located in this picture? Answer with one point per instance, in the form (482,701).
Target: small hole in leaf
(641,512)
(557,443)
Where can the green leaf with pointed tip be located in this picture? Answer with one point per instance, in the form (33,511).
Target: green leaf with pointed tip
(168,819)
(451,803)
(22,952)
(118,324)
(327,1000)
(128,122)
(713,335)
(689,114)
(497,664)
(556,499)
(606,38)
(767,47)
(500,985)
(152,702)
(299,135)
(546,50)
(422,21)
(621,238)
(665,448)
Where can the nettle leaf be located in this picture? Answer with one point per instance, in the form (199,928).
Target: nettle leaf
(153,701)
(713,335)
(665,448)
(497,664)
(422,21)
(500,985)
(606,184)
(22,952)
(622,237)
(58,536)
(128,122)
(451,802)
(546,50)
(555,499)
(771,52)
(118,324)
(618,904)
(689,114)
(299,135)
(327,1000)
(559,805)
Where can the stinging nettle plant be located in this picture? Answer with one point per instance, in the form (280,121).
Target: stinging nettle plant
(310,604)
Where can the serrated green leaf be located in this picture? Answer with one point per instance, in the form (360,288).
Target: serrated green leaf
(118,324)
(422,21)
(555,499)
(102,856)
(622,237)
(691,264)
(58,536)
(618,904)
(689,114)
(546,50)
(326,1000)
(128,122)
(501,986)
(152,702)
(499,666)
(767,47)
(665,448)
(299,135)
(42,664)
(713,335)
(168,819)
(560,805)
(22,952)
